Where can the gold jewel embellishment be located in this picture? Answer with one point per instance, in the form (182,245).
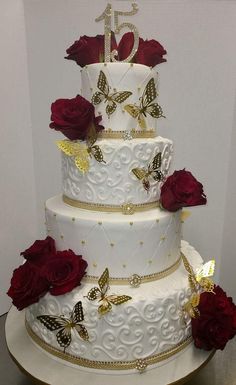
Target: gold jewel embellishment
(151,171)
(135,280)
(144,278)
(100,293)
(146,105)
(111,99)
(141,365)
(127,208)
(64,325)
(108,365)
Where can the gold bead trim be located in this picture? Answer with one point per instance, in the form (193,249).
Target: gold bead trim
(127,209)
(109,134)
(108,365)
(143,278)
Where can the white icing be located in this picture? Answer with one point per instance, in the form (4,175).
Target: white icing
(143,243)
(113,182)
(148,324)
(120,77)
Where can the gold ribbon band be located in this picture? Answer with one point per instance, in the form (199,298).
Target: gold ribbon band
(133,134)
(107,365)
(139,279)
(128,208)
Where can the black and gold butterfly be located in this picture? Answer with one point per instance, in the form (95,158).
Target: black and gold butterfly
(65,325)
(82,152)
(153,171)
(101,293)
(146,106)
(110,98)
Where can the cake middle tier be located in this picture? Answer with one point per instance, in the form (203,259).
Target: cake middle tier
(145,243)
(113,182)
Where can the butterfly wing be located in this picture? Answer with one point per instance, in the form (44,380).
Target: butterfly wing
(105,307)
(154,110)
(97,98)
(68,147)
(140,173)
(103,281)
(111,107)
(120,97)
(64,336)
(97,153)
(94,293)
(52,323)
(118,299)
(77,313)
(207,270)
(146,184)
(82,331)
(149,94)
(82,160)
(156,163)
(157,175)
(132,110)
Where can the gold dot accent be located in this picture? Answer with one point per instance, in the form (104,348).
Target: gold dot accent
(54,215)
(48,230)
(95,265)
(73,219)
(91,89)
(141,243)
(182,221)
(105,64)
(83,242)
(62,236)
(131,223)
(163,238)
(169,255)
(157,220)
(99,223)
(112,244)
(124,265)
(131,64)
(150,262)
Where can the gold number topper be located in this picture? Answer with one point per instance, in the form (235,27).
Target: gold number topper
(152,171)
(146,106)
(105,95)
(82,152)
(65,325)
(101,293)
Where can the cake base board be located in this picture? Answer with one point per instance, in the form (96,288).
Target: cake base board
(42,368)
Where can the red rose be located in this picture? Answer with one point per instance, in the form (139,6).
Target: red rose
(181,189)
(217,321)
(40,250)
(27,286)
(88,50)
(150,52)
(64,272)
(74,117)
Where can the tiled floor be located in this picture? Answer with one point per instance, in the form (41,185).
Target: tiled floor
(220,371)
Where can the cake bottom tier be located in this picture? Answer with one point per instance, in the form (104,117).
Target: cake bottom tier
(137,334)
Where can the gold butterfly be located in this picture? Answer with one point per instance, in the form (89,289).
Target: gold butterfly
(101,293)
(146,106)
(110,98)
(82,152)
(65,325)
(152,171)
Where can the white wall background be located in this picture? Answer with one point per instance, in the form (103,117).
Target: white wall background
(197,93)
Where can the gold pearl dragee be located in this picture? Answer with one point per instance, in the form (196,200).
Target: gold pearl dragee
(163,238)
(112,244)
(95,265)
(62,237)
(83,242)
(141,243)
(128,209)
(73,219)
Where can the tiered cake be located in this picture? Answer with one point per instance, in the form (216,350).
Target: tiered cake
(113,288)
(142,251)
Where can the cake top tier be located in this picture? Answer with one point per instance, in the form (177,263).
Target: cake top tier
(124,94)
